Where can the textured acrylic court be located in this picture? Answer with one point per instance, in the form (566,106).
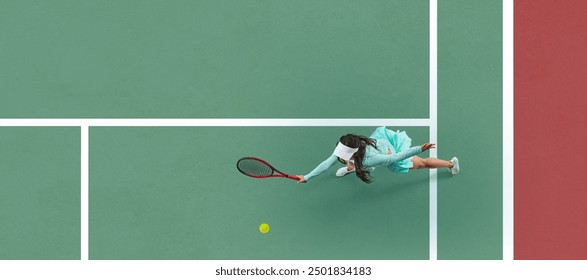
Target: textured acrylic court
(171,191)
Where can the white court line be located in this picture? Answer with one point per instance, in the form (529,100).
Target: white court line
(214,122)
(84,193)
(508,130)
(433,125)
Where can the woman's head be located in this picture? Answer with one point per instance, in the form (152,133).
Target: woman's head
(359,143)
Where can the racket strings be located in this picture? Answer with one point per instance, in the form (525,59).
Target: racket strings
(254,167)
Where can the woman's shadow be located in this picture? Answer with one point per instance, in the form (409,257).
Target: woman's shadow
(377,191)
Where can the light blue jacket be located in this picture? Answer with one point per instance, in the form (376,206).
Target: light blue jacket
(373,157)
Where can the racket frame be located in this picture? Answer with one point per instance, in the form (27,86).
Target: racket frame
(273,175)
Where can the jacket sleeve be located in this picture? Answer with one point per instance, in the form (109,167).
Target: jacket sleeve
(329,162)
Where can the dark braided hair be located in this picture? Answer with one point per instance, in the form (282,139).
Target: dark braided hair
(361,142)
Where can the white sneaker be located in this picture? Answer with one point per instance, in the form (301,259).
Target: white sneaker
(343,171)
(455,166)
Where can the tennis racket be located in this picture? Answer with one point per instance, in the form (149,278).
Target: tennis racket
(258,168)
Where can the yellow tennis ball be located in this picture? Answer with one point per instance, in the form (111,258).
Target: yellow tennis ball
(264,228)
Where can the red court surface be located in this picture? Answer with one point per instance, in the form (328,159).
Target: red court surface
(550,128)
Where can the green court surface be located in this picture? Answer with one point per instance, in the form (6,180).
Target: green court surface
(214,58)
(175,193)
(470,126)
(39,193)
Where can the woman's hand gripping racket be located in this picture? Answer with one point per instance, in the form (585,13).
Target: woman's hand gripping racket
(258,168)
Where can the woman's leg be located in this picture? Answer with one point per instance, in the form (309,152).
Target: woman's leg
(429,163)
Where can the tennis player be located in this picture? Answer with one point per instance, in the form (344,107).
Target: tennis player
(383,148)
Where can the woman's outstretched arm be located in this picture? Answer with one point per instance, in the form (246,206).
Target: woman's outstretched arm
(329,162)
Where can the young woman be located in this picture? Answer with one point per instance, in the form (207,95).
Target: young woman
(383,148)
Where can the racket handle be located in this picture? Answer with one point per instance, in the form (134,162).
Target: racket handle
(292,177)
